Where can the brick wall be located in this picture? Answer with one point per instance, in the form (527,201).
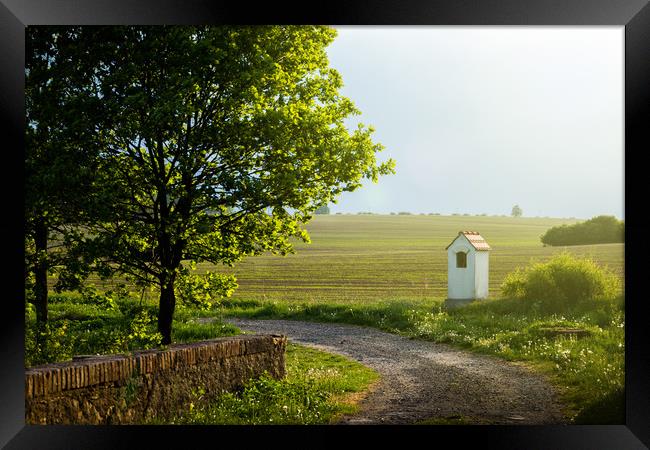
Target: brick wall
(121,389)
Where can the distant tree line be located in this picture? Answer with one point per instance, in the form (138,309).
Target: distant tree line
(598,230)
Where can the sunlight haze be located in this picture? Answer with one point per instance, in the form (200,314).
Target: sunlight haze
(479,119)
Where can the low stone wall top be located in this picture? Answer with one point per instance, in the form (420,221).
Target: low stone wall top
(54,378)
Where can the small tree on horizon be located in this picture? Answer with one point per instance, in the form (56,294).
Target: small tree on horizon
(322,210)
(516,211)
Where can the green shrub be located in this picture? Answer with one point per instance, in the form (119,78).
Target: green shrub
(47,343)
(324,209)
(141,332)
(597,230)
(561,283)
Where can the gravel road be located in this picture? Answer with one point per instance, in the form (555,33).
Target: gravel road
(424,380)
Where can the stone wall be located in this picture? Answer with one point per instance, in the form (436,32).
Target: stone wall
(146,385)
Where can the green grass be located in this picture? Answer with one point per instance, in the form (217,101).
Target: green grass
(586,370)
(391,272)
(318,389)
(191,331)
(79,328)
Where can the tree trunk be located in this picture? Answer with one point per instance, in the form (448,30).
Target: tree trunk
(40,272)
(166,310)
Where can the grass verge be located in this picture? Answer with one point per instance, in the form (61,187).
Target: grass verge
(580,350)
(319,388)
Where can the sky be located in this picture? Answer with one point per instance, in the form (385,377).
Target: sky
(479,119)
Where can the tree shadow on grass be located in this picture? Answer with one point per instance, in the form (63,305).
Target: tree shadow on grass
(609,410)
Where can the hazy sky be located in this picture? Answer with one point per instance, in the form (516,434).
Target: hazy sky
(479,119)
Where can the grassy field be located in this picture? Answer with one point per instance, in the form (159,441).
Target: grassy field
(374,258)
(393,257)
(390,272)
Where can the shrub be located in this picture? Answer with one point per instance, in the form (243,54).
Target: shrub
(563,282)
(598,230)
(46,343)
(141,332)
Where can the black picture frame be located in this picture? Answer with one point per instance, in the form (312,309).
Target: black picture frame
(633,15)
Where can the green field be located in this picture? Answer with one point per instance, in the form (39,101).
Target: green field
(390,272)
(389,257)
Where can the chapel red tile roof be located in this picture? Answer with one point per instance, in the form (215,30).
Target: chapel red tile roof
(474,238)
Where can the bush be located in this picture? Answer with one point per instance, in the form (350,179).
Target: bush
(561,283)
(598,230)
(47,342)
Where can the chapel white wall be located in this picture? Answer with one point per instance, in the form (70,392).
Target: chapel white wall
(460,282)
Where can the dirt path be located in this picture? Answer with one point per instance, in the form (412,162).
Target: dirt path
(424,380)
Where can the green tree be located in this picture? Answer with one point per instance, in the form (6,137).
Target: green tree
(597,230)
(516,211)
(220,142)
(61,152)
(322,210)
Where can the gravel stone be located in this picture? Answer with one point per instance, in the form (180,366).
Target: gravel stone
(426,380)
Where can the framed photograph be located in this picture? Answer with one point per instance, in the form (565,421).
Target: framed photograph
(585,67)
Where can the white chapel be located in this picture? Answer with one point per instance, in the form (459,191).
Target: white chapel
(468,267)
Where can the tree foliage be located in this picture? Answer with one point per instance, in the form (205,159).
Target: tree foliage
(597,230)
(516,211)
(216,143)
(322,210)
(61,149)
